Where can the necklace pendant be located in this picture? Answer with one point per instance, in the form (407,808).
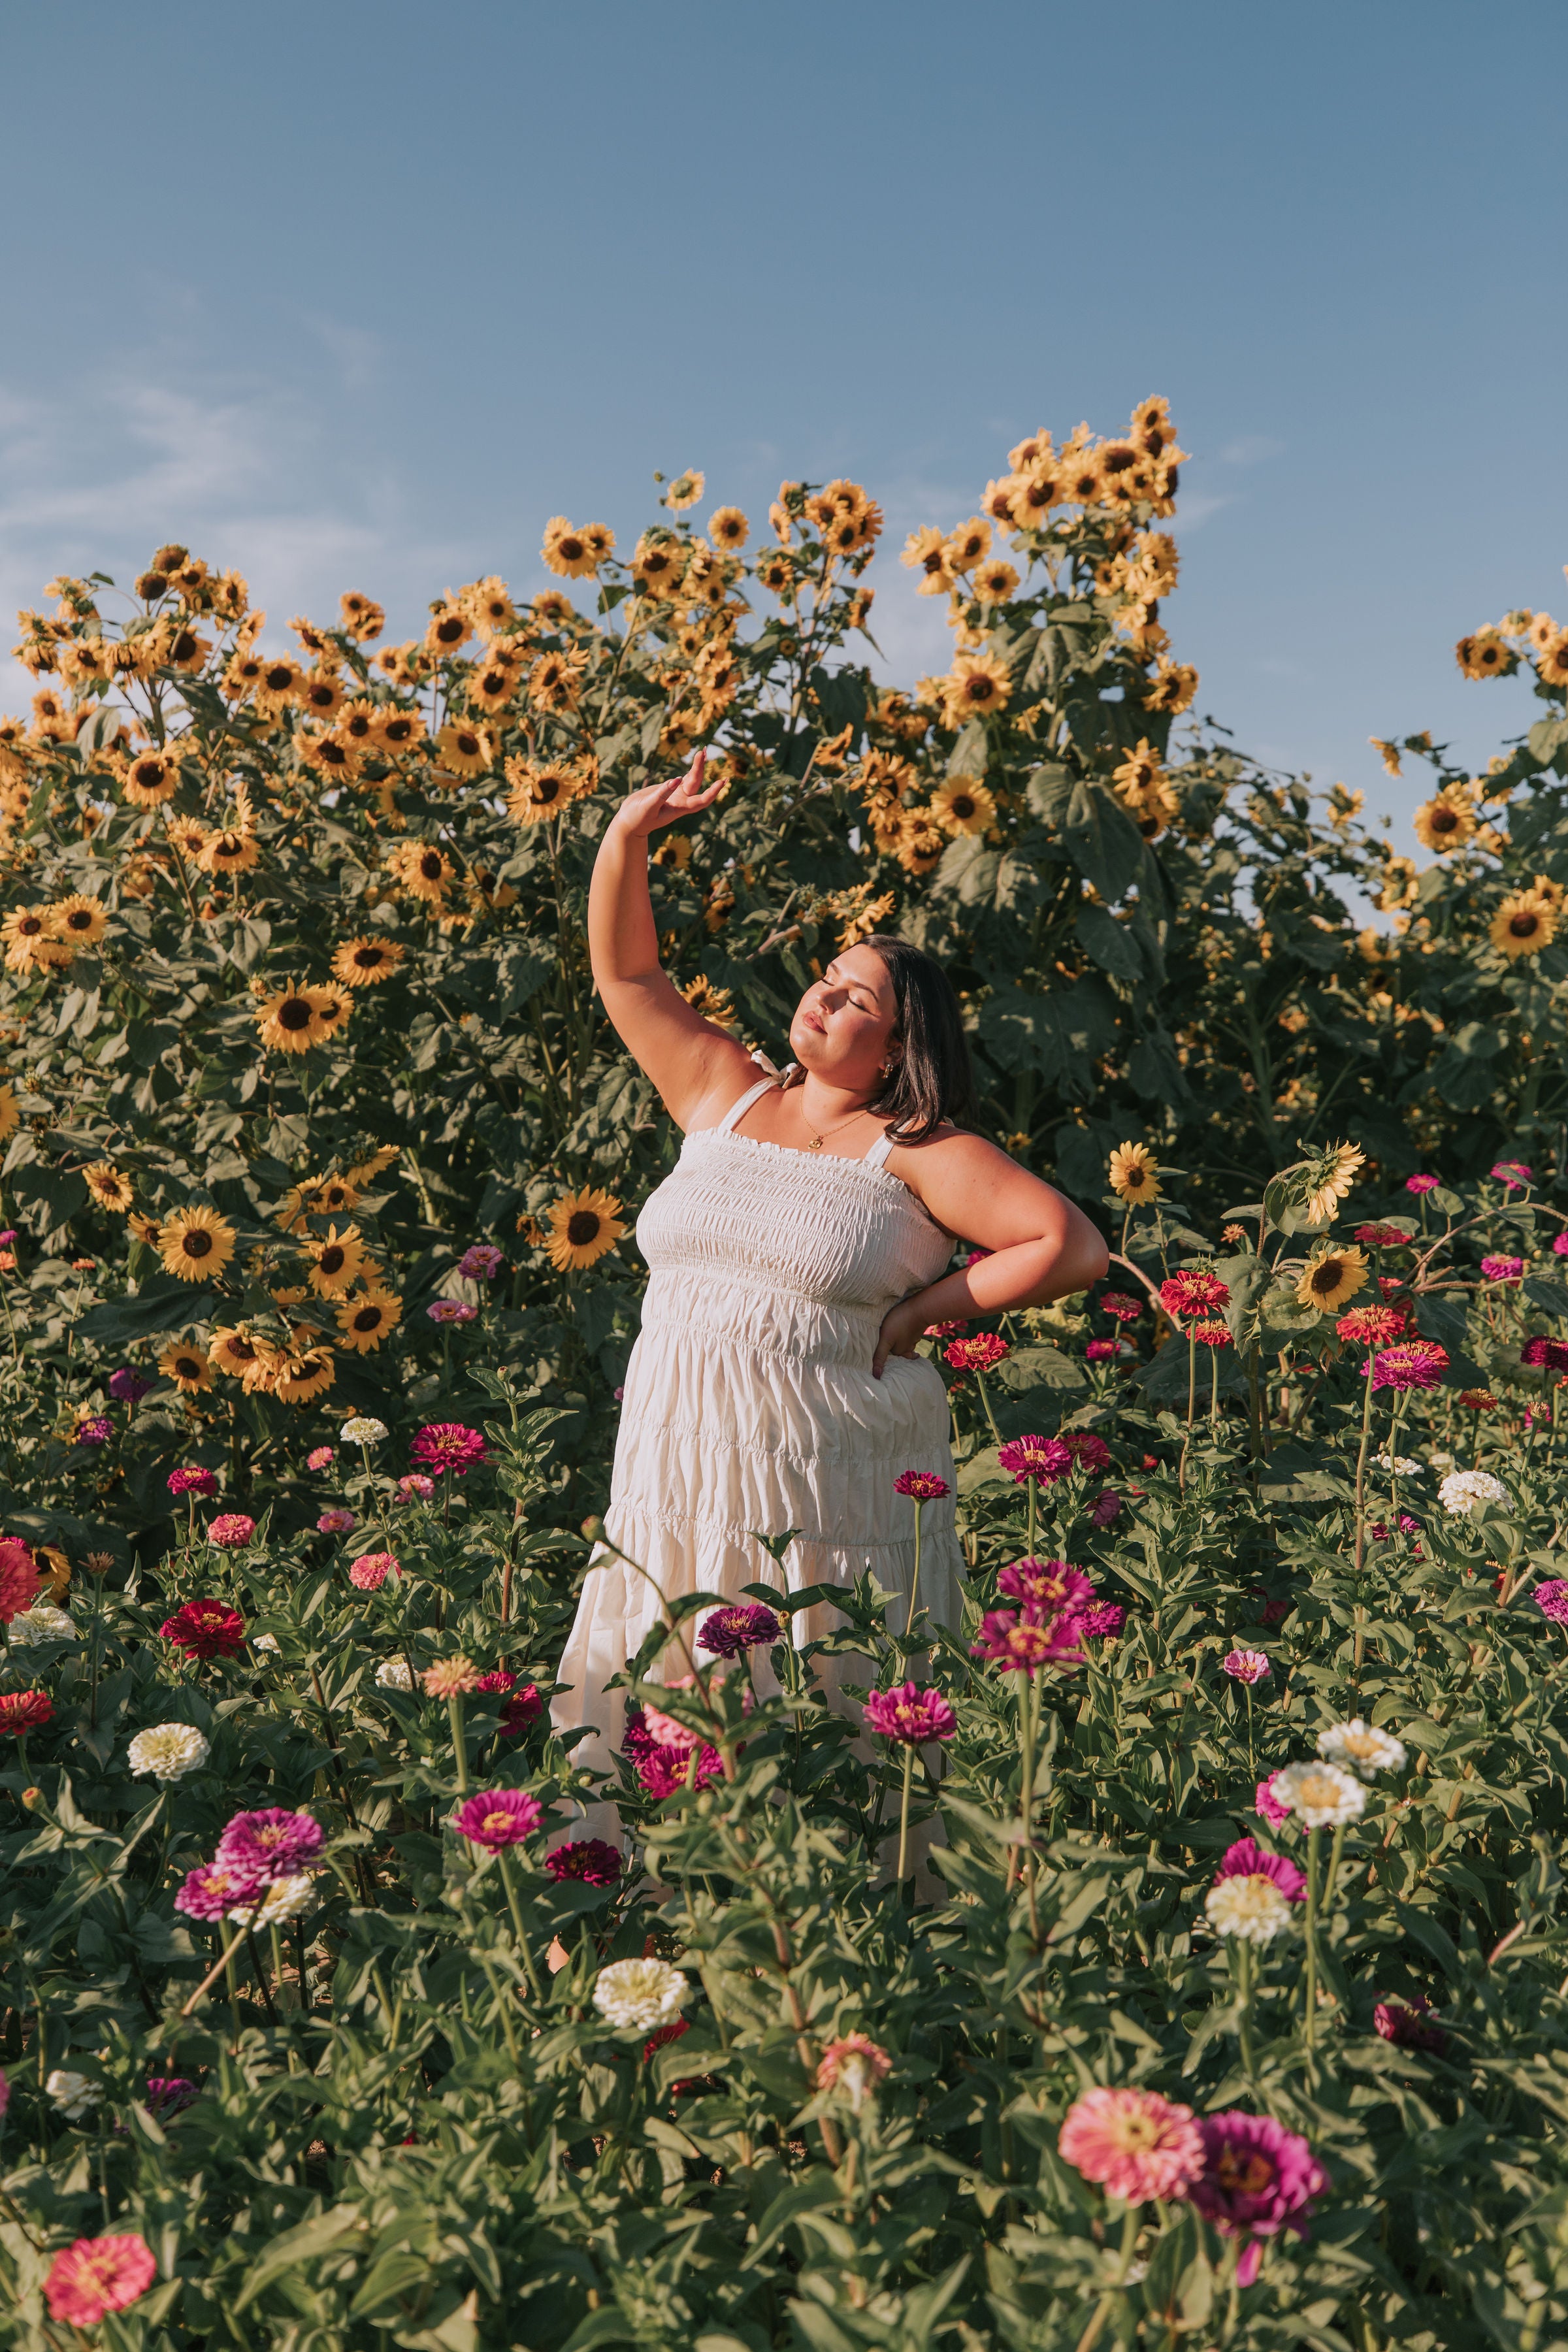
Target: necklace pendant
(816,1143)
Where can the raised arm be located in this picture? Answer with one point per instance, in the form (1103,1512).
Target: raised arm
(689,1059)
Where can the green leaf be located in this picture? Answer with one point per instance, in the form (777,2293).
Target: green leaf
(1111,946)
(1105,843)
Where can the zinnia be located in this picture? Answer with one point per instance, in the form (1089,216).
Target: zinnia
(1360,1749)
(1550,1355)
(498,1817)
(745,1625)
(25,1711)
(1024,1643)
(192,1480)
(1137,2144)
(1410,1364)
(1247,1859)
(206,1629)
(1247,1905)
(370,1572)
(592,1860)
(335,1523)
(908,1714)
(271,1842)
(231,1531)
(1046,1583)
(1246,1666)
(1268,1806)
(978,1354)
(636,1996)
(1410,2024)
(1322,1795)
(1102,1622)
(1043,1459)
(168,1750)
(1192,1293)
(853,2065)
(449,1445)
(1552,1599)
(1257,2177)
(95,2276)
(1502,1269)
(20,1583)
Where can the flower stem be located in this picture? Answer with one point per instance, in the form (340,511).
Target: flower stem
(979,1385)
(514,1904)
(1311,2019)
(1361,1514)
(1241,1952)
(460,1744)
(915,1585)
(904,1808)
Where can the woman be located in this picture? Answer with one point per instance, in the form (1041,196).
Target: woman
(797,1253)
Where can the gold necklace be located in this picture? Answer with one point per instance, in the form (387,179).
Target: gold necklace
(818,1140)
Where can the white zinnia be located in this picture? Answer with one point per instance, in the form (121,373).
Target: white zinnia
(264,1640)
(73,2094)
(1321,1795)
(363,1430)
(1400,1462)
(1251,1907)
(1360,1749)
(638,1996)
(1460,1488)
(1440,1458)
(41,1623)
(393,1674)
(284,1899)
(169,1750)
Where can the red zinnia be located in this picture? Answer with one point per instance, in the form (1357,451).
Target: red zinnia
(206,1629)
(1372,1327)
(1382,1236)
(19,1578)
(1193,1293)
(23,1711)
(977,1355)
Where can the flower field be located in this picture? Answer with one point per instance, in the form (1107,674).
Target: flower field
(1171,1952)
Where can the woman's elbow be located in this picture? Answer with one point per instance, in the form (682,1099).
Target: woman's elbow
(1085,1257)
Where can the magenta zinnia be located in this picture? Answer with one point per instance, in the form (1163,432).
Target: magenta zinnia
(1102,1622)
(1550,1355)
(1410,2024)
(1092,1454)
(1117,1303)
(192,1480)
(1268,1806)
(1257,2177)
(1411,1364)
(908,1714)
(744,1625)
(449,1445)
(1247,1859)
(1246,1666)
(211,1892)
(19,1579)
(1502,1269)
(1043,1459)
(664,1771)
(921,1486)
(978,1354)
(274,1843)
(1137,2144)
(1046,1584)
(498,1817)
(206,1629)
(592,1860)
(1025,1641)
(1551,1599)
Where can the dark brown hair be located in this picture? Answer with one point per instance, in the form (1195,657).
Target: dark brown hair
(932,1078)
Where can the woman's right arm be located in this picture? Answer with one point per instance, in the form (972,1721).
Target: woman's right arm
(688,1060)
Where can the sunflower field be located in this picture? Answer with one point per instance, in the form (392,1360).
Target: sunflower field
(1170,1952)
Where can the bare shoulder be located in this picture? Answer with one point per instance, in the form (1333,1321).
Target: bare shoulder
(972,1187)
(727,1072)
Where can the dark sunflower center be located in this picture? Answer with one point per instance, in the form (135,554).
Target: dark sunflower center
(547,789)
(79,920)
(332,1260)
(294,1013)
(468,746)
(572,549)
(450,632)
(368,958)
(197,1243)
(185,646)
(1524,927)
(369,1318)
(1326,1277)
(582,1227)
(1444,821)
(358,725)
(963,805)
(189,1368)
(430,867)
(399,730)
(279,677)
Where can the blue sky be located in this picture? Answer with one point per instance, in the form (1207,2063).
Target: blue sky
(355,295)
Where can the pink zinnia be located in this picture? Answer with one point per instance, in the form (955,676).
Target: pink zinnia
(1023,1642)
(1257,2177)
(320,1457)
(19,1579)
(1513,1174)
(1551,1599)
(1410,2024)
(952,1330)
(664,1771)
(745,1624)
(94,1429)
(1247,1859)
(96,2276)
(231,1531)
(522,1708)
(1106,1351)
(1137,2144)
(450,1310)
(1372,1326)
(908,1714)
(1102,1622)
(1043,1459)
(1560,1244)
(1421,1183)
(1117,1303)
(1268,1806)
(335,1523)
(1046,1584)
(370,1572)
(1192,1293)
(1382,1237)
(274,1843)
(449,1445)
(498,1817)
(417,1488)
(192,1480)
(921,1486)
(206,1629)
(1246,1666)
(1502,1269)
(1106,1509)
(481,1261)
(592,1860)
(219,1888)
(977,1355)
(1410,1364)
(1092,1454)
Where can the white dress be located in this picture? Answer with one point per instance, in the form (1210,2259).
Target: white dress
(750,1403)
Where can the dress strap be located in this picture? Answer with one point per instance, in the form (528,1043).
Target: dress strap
(879,1149)
(737,1110)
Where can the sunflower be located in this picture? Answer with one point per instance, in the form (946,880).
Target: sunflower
(363,619)
(298,1377)
(186,1367)
(728,527)
(566,552)
(978,683)
(289,1022)
(364,1322)
(493,685)
(231,851)
(1330,1277)
(1134,1174)
(1523,925)
(236,1351)
(1447,821)
(712,1003)
(422,869)
(466,749)
(449,627)
(143,1229)
(962,804)
(1139,774)
(334,1260)
(556,680)
(359,723)
(110,1188)
(995,582)
(540,789)
(80,919)
(1172,688)
(30,943)
(1080,482)
(922,842)
(360,963)
(776,571)
(152,778)
(1329,1178)
(278,685)
(925,551)
(965,547)
(321,695)
(685,490)
(1485,655)
(195,1244)
(583,1227)
(402,730)
(187,835)
(10,1112)
(1551,669)
(674,850)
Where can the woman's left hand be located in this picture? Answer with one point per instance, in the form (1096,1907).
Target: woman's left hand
(903,1327)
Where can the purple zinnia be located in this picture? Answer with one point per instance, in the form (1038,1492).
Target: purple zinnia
(1410,2024)
(211,1892)
(1029,1639)
(168,2094)
(1046,1584)
(1105,1509)
(1247,1859)
(1043,1459)
(1257,2179)
(1551,1599)
(1560,1244)
(449,1445)
(450,1310)
(908,1714)
(481,1261)
(128,1386)
(1098,1623)
(498,1817)
(97,1428)
(744,1625)
(192,1480)
(921,1486)
(1502,1269)
(592,1860)
(273,1844)
(1550,1355)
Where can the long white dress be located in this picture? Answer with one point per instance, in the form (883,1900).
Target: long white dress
(750,1403)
